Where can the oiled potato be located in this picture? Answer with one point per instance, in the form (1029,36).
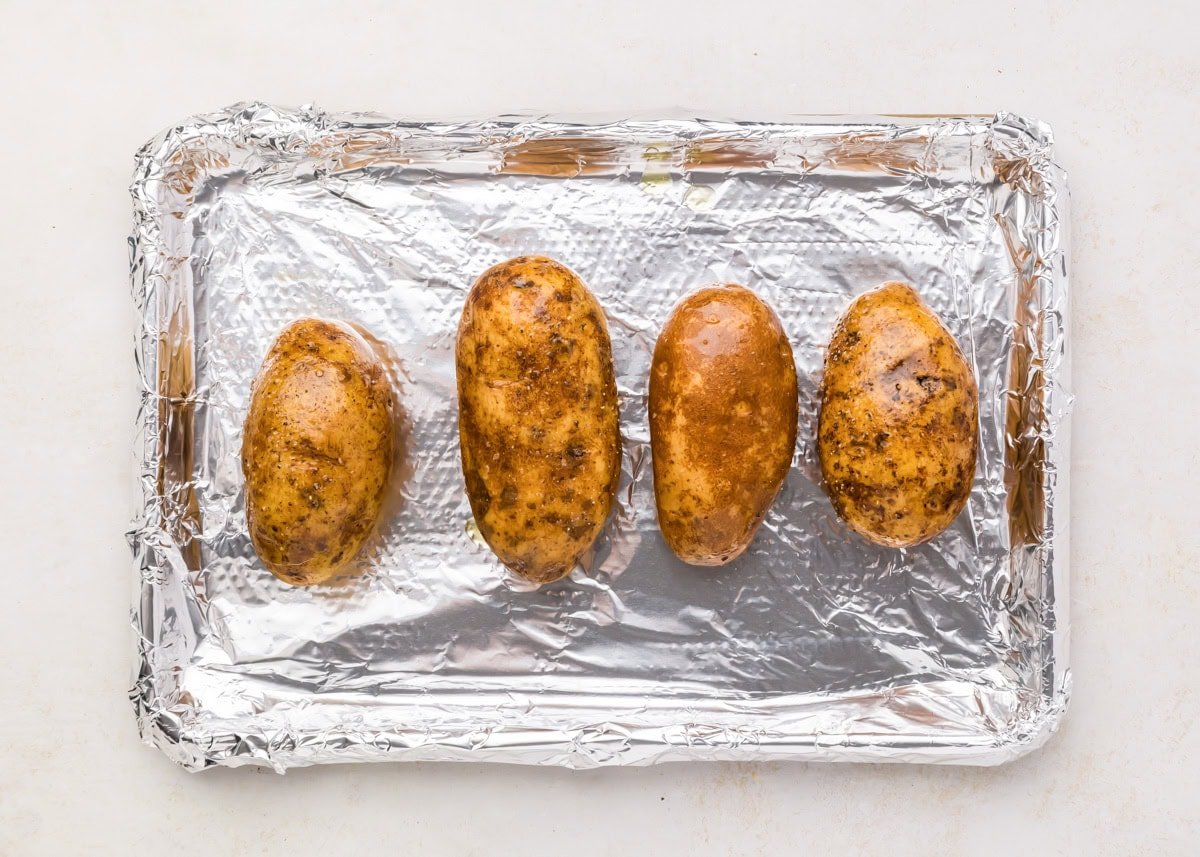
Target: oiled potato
(316,450)
(898,428)
(538,420)
(723,411)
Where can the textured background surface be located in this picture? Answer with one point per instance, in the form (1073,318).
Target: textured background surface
(85,86)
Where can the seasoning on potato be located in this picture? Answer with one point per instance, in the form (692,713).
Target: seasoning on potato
(316,450)
(898,429)
(723,411)
(538,418)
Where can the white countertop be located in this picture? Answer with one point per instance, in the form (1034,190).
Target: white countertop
(84,87)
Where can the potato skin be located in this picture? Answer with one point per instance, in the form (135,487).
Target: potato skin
(898,429)
(723,412)
(317,450)
(538,418)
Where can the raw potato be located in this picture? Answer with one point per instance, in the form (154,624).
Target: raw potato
(723,409)
(538,419)
(316,450)
(898,429)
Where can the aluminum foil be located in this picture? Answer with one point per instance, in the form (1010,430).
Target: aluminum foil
(813,645)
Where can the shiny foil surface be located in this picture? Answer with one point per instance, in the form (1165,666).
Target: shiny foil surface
(815,644)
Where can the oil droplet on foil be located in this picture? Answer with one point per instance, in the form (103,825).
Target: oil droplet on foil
(655,182)
(700,198)
(474,534)
(656,174)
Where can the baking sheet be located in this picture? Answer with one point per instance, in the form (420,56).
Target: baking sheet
(813,645)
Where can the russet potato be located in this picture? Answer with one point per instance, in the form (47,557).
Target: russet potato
(723,412)
(317,450)
(898,429)
(538,417)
